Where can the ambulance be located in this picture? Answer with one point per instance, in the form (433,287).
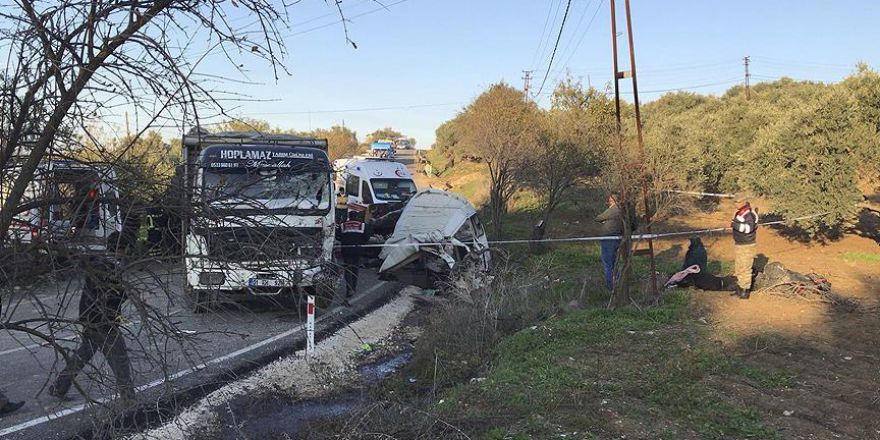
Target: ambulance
(72,204)
(380,184)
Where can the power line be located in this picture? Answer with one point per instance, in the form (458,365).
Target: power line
(698,86)
(800,62)
(555,46)
(329,14)
(343,20)
(362,109)
(543,33)
(577,28)
(218,50)
(580,40)
(463,102)
(735,80)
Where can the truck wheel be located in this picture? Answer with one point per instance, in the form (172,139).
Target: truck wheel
(198,301)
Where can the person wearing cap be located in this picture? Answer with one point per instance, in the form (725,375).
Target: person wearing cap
(100,312)
(745,227)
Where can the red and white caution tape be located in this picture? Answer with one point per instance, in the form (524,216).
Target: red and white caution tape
(635,237)
(702,194)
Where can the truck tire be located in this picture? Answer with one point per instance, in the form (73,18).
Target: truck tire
(198,301)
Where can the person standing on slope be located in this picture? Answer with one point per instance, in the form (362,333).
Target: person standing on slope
(745,227)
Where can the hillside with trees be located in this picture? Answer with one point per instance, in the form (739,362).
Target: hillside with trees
(805,147)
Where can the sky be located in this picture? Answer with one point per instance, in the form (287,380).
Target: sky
(419,62)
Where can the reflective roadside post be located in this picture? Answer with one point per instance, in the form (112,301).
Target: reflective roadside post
(310,327)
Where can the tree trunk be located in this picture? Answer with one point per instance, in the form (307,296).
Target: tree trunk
(538,230)
(623,269)
(59,113)
(497,213)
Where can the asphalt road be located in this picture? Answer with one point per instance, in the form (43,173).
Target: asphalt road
(27,366)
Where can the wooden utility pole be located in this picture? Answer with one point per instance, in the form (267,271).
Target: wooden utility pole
(632,74)
(620,275)
(748,75)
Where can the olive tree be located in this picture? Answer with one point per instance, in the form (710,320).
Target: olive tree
(501,126)
(575,133)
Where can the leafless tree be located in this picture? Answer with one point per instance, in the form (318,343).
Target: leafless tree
(72,63)
(72,69)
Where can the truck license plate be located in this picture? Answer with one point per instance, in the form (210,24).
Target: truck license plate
(265,282)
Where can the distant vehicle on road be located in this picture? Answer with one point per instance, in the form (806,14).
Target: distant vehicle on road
(383,149)
(261,220)
(403,144)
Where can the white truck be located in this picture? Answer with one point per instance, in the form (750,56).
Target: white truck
(258,217)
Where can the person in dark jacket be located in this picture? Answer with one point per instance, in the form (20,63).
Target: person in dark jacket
(100,312)
(696,255)
(745,227)
(612,225)
(352,233)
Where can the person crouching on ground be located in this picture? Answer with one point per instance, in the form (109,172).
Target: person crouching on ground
(612,225)
(745,227)
(100,312)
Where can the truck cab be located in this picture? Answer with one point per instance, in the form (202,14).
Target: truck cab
(261,218)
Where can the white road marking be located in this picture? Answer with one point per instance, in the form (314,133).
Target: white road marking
(14,350)
(157,382)
(28,347)
(32,346)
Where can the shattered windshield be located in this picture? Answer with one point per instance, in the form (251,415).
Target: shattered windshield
(284,189)
(393,189)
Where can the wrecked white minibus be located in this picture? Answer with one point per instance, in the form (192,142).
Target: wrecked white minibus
(437,231)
